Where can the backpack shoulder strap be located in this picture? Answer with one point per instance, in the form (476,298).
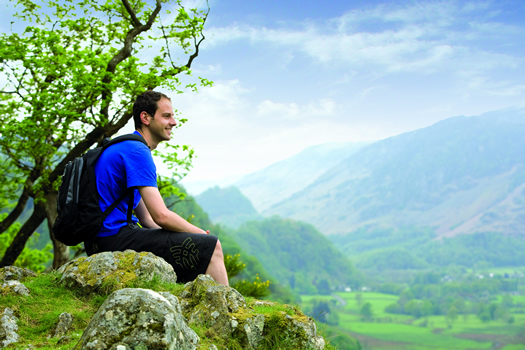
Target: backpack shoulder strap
(128,137)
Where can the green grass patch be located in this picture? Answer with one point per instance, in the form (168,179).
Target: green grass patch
(514,347)
(394,331)
(38,315)
(415,335)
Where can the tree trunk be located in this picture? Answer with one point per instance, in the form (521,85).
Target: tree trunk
(27,229)
(60,250)
(15,213)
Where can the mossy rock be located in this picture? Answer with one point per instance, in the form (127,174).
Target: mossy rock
(226,317)
(10,273)
(109,271)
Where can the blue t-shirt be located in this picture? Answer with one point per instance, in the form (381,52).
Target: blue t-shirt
(121,166)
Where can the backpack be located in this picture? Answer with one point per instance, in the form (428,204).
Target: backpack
(79,215)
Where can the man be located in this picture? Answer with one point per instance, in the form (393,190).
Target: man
(129,164)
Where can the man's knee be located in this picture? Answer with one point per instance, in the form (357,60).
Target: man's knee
(218,249)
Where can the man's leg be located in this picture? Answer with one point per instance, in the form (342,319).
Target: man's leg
(216,268)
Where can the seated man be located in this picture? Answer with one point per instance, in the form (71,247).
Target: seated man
(129,164)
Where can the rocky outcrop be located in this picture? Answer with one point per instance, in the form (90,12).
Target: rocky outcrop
(224,311)
(138,318)
(10,280)
(134,318)
(8,328)
(110,271)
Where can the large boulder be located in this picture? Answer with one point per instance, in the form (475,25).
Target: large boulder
(110,271)
(134,318)
(205,301)
(225,313)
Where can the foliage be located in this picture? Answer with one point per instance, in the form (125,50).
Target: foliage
(256,289)
(366,311)
(233,265)
(71,76)
(296,253)
(412,248)
(434,293)
(32,258)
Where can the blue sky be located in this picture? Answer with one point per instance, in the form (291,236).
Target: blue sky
(289,74)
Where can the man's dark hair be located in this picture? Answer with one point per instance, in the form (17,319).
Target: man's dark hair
(146,102)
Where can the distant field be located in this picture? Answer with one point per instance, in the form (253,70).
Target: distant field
(392,331)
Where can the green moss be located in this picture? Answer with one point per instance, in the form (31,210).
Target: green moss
(38,314)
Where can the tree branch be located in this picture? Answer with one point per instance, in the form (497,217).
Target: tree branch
(132,14)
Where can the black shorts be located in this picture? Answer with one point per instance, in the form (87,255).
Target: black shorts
(188,253)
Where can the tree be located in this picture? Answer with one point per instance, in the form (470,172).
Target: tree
(71,76)
(366,311)
(359,299)
(452,315)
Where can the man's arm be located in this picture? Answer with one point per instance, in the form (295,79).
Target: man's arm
(161,215)
(144,217)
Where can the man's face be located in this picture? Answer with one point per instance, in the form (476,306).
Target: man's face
(161,125)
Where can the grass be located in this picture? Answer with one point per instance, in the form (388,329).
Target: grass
(38,315)
(393,331)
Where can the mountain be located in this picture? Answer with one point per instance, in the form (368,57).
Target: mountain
(280,180)
(461,175)
(227,206)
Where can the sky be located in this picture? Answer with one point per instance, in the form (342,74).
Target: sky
(289,74)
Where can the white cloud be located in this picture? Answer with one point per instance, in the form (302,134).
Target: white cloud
(424,37)
(293,111)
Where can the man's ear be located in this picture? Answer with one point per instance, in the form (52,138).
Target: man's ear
(144,118)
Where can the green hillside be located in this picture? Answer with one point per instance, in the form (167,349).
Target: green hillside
(227,206)
(415,249)
(461,175)
(298,255)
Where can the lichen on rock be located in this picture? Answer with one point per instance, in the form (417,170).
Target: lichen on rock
(109,271)
(8,328)
(205,301)
(10,273)
(134,318)
(13,287)
(65,320)
(225,313)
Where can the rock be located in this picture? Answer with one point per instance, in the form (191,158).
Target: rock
(225,313)
(13,287)
(205,301)
(10,273)
(253,328)
(65,320)
(64,340)
(298,330)
(134,318)
(110,271)
(8,328)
